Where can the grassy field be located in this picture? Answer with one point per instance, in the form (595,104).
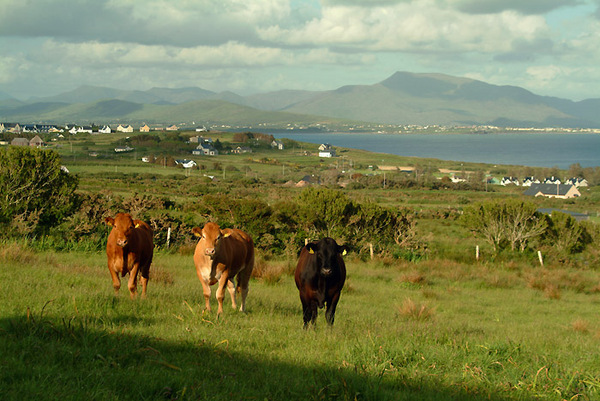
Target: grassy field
(442,327)
(403,331)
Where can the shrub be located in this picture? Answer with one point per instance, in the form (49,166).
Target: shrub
(566,234)
(34,187)
(506,223)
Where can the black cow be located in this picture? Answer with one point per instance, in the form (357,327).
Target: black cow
(320,276)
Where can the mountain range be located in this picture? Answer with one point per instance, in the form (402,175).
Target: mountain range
(402,99)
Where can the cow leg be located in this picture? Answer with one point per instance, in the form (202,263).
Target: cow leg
(231,289)
(221,291)
(309,309)
(206,292)
(132,283)
(331,305)
(115,279)
(145,276)
(243,279)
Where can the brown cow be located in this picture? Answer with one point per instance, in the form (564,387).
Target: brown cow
(320,276)
(129,250)
(220,256)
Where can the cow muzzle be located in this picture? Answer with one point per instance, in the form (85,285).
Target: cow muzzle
(122,242)
(326,271)
(210,252)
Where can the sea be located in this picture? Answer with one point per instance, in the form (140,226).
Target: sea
(524,149)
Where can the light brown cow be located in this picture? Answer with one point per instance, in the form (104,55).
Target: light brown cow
(129,250)
(220,256)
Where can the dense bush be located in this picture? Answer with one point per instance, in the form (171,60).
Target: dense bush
(511,224)
(35,193)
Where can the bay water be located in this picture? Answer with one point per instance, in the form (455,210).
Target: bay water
(526,149)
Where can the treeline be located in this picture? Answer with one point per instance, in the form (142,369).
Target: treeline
(52,210)
(41,202)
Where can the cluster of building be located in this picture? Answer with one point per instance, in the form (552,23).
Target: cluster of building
(16,128)
(529,181)
(551,187)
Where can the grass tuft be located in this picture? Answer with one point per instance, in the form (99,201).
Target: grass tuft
(415,311)
(581,326)
(15,252)
(270,273)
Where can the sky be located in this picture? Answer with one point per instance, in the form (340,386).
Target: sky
(549,47)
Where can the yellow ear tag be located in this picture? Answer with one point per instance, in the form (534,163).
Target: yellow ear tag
(137,225)
(226,235)
(197,234)
(344,253)
(310,250)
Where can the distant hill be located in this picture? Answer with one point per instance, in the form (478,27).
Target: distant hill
(404,98)
(117,111)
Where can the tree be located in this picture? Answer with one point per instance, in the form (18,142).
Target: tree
(566,234)
(505,223)
(33,184)
(326,212)
(522,223)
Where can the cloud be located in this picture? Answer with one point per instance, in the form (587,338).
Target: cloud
(179,23)
(411,28)
(522,6)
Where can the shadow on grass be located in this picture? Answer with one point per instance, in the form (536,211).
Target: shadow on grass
(45,359)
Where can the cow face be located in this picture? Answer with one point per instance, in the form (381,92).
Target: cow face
(122,226)
(327,252)
(212,236)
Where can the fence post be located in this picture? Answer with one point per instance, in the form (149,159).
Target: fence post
(305,241)
(371,250)
(477,252)
(540,258)
(168,236)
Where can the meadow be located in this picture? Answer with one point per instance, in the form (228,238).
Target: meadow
(403,331)
(442,326)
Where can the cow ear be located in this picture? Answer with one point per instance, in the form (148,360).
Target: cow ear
(109,221)
(137,223)
(197,231)
(311,248)
(226,235)
(343,249)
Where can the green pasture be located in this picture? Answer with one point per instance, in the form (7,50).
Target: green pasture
(434,330)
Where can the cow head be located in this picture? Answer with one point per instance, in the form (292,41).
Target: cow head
(212,235)
(122,226)
(327,252)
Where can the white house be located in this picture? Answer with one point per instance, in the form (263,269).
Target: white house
(277,144)
(509,181)
(527,181)
(577,181)
(186,163)
(127,128)
(327,153)
(551,180)
(105,130)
